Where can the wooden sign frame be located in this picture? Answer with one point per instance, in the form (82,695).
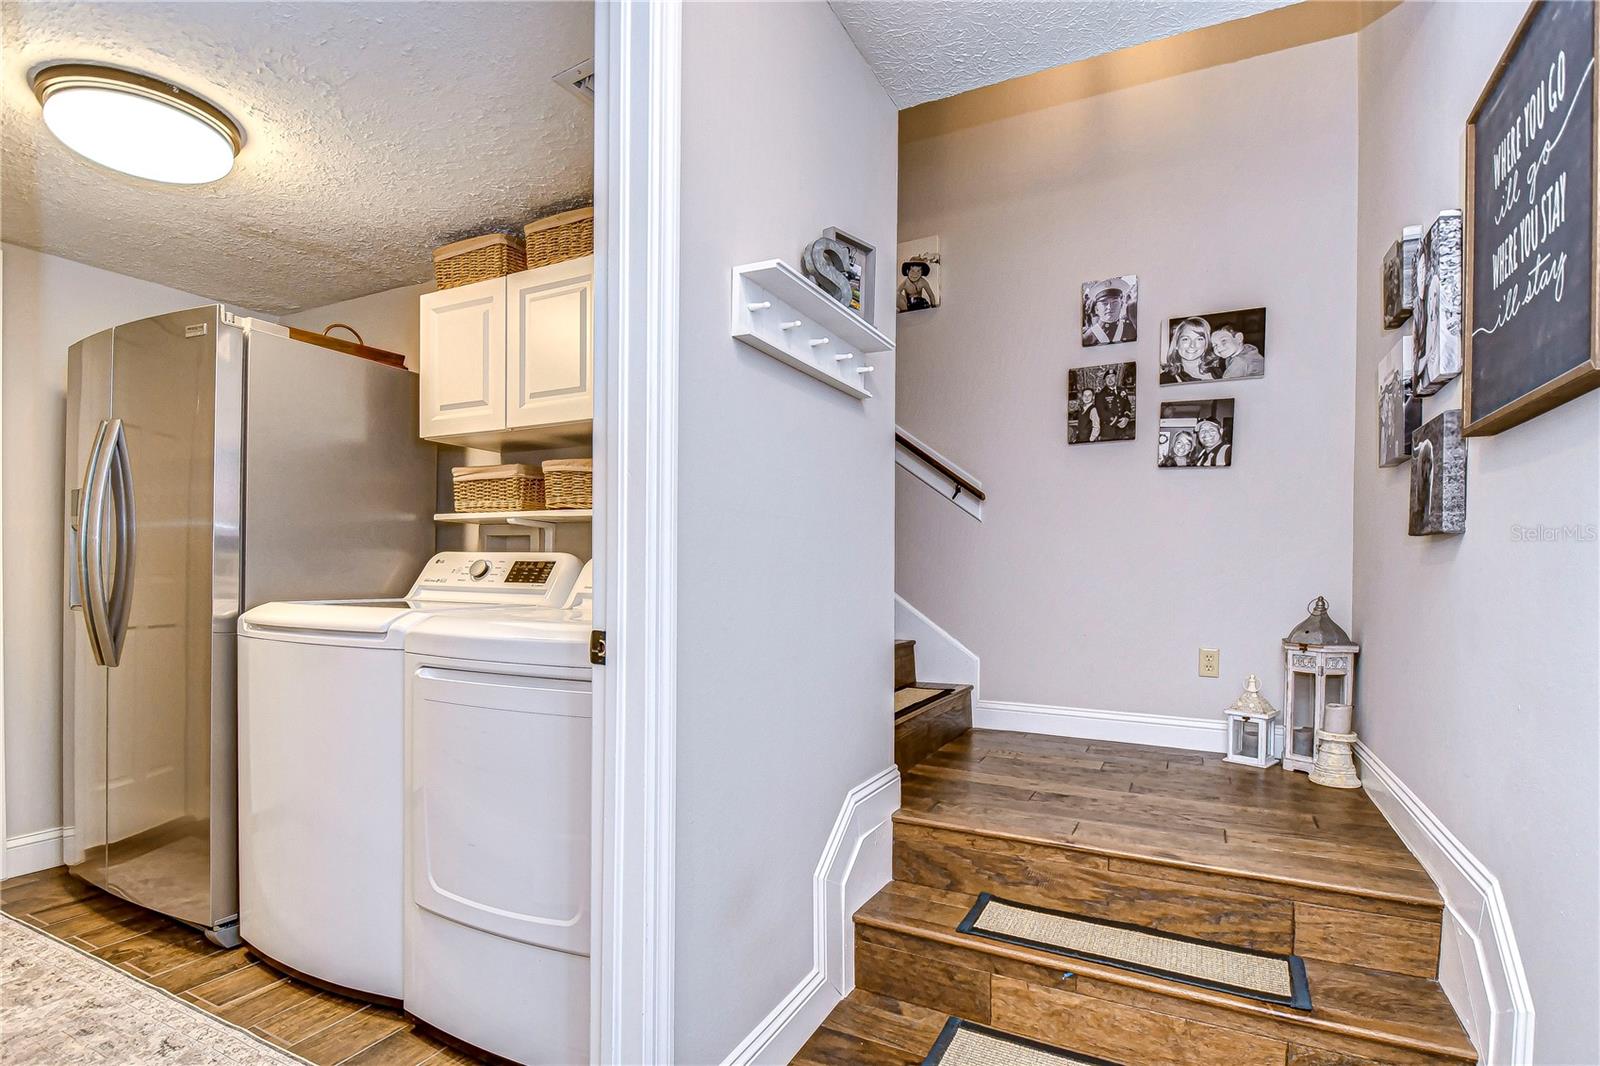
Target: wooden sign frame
(1581,378)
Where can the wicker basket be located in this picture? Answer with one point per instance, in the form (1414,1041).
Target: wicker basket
(512,487)
(560,237)
(569,484)
(493,255)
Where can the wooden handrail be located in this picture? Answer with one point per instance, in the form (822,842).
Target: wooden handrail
(961,483)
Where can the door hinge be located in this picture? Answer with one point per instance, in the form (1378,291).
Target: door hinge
(597,647)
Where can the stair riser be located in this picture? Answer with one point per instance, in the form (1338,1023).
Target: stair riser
(931,729)
(1096,1017)
(905,663)
(1262,915)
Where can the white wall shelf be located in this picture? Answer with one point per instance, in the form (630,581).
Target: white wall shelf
(779,311)
(514,518)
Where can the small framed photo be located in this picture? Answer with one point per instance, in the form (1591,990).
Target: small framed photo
(858,270)
(1101,402)
(920,287)
(1400,278)
(1196,433)
(1399,409)
(1439,477)
(1111,310)
(1436,319)
(1219,346)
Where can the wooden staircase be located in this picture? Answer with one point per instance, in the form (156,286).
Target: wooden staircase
(1171,840)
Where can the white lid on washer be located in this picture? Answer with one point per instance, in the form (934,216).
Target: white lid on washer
(523,636)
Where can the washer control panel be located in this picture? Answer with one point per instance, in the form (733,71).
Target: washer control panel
(537,578)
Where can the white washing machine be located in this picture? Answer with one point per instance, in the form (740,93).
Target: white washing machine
(322,764)
(498,829)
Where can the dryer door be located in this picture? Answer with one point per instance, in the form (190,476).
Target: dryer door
(499,819)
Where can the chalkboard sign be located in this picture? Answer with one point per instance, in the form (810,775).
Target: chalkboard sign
(1530,303)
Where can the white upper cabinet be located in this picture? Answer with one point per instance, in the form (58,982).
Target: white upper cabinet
(511,359)
(550,372)
(464,359)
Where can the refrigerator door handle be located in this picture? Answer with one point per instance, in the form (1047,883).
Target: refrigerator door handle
(91,556)
(75,544)
(121,484)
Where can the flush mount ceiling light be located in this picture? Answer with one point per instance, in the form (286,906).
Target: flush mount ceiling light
(137,124)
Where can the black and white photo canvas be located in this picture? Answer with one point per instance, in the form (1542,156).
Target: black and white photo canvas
(919,286)
(1400,278)
(1399,409)
(1436,319)
(1111,310)
(1439,477)
(1221,346)
(1196,433)
(1100,402)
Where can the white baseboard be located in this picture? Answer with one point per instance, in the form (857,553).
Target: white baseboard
(27,853)
(855,864)
(1479,966)
(940,657)
(1085,723)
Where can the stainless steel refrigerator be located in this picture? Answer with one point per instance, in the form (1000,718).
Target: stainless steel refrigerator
(212,464)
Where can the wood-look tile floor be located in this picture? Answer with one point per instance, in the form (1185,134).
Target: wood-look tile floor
(1165,805)
(318,1026)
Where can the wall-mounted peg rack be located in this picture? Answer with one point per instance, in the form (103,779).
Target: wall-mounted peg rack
(779,311)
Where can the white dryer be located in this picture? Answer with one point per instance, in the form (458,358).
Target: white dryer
(498,829)
(322,763)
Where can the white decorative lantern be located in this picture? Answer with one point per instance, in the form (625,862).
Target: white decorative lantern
(1319,668)
(1252,740)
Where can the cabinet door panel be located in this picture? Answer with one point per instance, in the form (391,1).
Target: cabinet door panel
(464,359)
(550,358)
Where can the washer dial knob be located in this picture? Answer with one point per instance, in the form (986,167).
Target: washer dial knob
(479,569)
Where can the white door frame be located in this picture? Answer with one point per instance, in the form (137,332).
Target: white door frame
(3,837)
(637,71)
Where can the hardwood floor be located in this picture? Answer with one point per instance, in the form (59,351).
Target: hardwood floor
(1172,840)
(320,1027)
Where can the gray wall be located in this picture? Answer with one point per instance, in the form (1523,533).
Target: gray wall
(1095,577)
(785,551)
(1480,652)
(50,304)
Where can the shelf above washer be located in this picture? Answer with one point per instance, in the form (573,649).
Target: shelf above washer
(504,518)
(779,311)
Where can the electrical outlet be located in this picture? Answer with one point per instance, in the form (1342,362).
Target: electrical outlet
(1210,662)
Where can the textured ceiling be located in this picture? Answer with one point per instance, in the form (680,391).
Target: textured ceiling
(925,50)
(374,131)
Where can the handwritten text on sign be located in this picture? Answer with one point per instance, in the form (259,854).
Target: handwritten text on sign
(1531,219)
(1523,267)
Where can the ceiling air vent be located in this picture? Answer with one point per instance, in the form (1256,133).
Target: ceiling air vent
(578,80)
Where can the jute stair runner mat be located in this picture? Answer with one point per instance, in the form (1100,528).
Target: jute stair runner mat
(912,697)
(964,1043)
(1259,975)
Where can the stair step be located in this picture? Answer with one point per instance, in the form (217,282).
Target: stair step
(931,726)
(909,950)
(867,1027)
(1248,912)
(905,663)
(1178,841)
